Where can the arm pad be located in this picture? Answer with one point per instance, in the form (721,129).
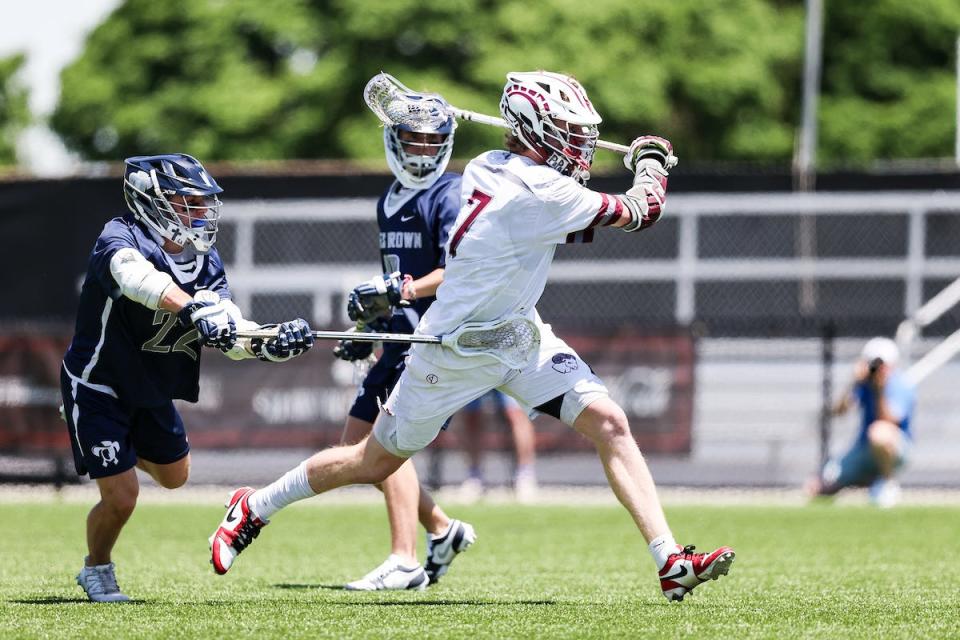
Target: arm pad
(645,199)
(138,279)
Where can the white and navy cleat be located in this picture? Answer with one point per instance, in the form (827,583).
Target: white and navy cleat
(392,575)
(442,549)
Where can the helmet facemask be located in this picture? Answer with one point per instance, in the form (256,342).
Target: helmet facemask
(571,147)
(418,157)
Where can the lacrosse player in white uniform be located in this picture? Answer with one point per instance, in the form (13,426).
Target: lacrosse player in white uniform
(518,206)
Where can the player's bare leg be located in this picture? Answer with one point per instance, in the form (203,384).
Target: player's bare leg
(169,476)
(473,487)
(366,462)
(402,493)
(680,569)
(248,511)
(429,514)
(118,498)
(523,436)
(884,439)
(525,479)
(605,424)
(408,502)
(401,570)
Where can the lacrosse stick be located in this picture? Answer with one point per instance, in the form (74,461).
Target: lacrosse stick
(514,341)
(394,104)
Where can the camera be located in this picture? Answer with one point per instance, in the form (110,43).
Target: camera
(874,366)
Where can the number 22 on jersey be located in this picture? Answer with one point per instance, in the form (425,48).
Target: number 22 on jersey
(477,202)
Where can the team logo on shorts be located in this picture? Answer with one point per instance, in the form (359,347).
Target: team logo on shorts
(432,378)
(107,452)
(565,363)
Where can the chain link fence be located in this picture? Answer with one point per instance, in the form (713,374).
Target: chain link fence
(756,282)
(760,279)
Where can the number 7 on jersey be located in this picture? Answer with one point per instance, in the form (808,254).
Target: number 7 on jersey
(479,201)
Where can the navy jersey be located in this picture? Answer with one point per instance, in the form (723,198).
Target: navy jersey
(120,347)
(414,227)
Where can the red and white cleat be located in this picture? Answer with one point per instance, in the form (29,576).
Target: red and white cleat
(236,531)
(685,570)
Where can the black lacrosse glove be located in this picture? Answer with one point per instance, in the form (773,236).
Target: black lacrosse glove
(293,339)
(376,298)
(211,320)
(353,350)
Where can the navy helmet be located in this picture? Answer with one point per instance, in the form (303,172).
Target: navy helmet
(175,196)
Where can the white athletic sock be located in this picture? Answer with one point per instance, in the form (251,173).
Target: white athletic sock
(289,488)
(661,547)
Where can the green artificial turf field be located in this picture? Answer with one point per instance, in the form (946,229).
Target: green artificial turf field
(536,572)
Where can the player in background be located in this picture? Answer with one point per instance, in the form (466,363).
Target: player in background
(524,444)
(414,216)
(886,400)
(155,291)
(519,205)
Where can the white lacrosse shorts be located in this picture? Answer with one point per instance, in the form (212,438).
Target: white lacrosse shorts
(437,382)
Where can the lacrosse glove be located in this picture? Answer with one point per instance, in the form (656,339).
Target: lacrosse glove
(211,320)
(293,339)
(376,298)
(652,148)
(353,350)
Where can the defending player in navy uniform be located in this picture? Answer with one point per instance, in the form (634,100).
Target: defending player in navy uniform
(154,293)
(414,217)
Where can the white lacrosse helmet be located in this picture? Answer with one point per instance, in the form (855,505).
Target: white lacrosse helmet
(425,162)
(551,114)
(883,349)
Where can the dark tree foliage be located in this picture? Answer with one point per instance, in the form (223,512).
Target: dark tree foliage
(246,79)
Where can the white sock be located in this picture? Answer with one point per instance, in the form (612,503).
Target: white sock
(289,488)
(661,547)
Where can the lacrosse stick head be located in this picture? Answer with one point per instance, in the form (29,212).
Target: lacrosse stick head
(514,341)
(396,104)
(418,130)
(551,114)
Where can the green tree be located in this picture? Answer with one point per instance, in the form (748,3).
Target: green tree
(14,113)
(246,79)
(889,80)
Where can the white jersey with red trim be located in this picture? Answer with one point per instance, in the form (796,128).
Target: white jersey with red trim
(514,214)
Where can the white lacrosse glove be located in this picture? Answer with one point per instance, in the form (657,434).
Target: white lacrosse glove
(650,148)
(207,313)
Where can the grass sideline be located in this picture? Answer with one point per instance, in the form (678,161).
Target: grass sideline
(821,571)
